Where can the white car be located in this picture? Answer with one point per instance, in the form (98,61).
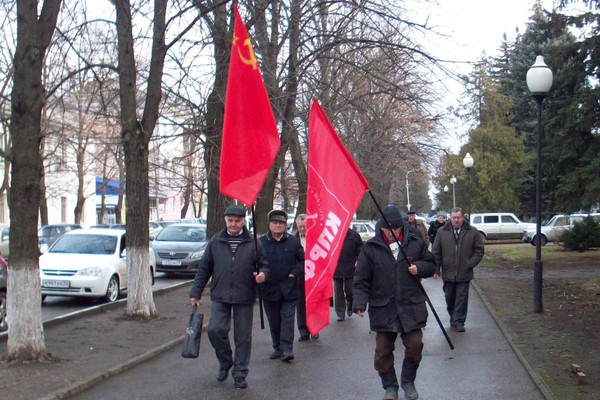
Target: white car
(553,229)
(500,225)
(87,263)
(365,229)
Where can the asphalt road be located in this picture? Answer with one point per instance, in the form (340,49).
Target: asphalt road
(483,366)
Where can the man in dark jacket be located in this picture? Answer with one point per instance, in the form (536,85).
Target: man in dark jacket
(280,292)
(436,225)
(343,277)
(458,248)
(230,259)
(389,284)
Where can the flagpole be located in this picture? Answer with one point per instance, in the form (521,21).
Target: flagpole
(437,318)
(260,300)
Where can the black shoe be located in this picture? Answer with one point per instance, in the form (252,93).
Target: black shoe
(288,357)
(314,337)
(276,354)
(459,328)
(349,312)
(222,374)
(240,383)
(410,392)
(302,338)
(340,318)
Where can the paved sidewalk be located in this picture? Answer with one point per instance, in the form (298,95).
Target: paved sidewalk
(338,365)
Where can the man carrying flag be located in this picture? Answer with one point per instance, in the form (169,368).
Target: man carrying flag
(386,281)
(335,188)
(235,263)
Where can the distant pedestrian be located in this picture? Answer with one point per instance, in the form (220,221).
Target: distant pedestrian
(390,286)
(230,258)
(458,248)
(436,225)
(418,225)
(343,277)
(280,292)
(301,310)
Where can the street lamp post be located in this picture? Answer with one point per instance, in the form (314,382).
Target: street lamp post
(539,82)
(468,164)
(407,192)
(445,188)
(453,182)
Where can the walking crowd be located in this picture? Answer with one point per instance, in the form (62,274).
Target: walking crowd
(381,277)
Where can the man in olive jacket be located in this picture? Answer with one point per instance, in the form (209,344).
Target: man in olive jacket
(390,286)
(458,248)
(230,259)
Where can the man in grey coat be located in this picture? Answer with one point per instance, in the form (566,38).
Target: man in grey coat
(390,286)
(231,260)
(458,248)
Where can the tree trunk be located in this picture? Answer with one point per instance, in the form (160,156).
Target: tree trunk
(135,136)
(25,332)
(221,34)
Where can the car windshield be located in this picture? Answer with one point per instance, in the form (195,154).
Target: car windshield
(178,233)
(85,244)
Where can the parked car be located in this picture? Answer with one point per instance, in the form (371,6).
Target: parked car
(4,245)
(193,221)
(551,231)
(3,286)
(47,234)
(500,225)
(365,229)
(179,247)
(165,223)
(153,229)
(87,263)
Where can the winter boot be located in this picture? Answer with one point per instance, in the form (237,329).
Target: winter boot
(390,384)
(407,380)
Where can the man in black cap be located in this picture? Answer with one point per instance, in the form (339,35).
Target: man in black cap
(231,260)
(389,284)
(280,293)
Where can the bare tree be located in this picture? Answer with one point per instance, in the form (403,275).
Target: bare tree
(34,33)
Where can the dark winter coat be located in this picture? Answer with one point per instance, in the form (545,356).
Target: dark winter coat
(433,228)
(285,257)
(233,280)
(457,258)
(396,302)
(350,250)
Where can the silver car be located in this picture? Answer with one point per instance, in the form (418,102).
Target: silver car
(553,229)
(365,229)
(179,247)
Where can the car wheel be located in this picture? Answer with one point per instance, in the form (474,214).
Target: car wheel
(3,323)
(543,240)
(112,291)
(43,297)
(152,275)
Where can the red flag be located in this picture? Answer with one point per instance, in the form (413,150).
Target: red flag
(335,188)
(250,138)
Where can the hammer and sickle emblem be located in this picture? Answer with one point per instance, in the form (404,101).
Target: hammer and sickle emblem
(250,60)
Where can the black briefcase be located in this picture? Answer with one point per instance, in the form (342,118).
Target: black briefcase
(191,341)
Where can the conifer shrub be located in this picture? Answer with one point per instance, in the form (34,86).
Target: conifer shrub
(583,236)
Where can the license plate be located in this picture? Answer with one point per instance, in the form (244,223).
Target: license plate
(55,283)
(171,262)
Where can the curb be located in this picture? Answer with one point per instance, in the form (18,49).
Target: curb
(99,308)
(532,374)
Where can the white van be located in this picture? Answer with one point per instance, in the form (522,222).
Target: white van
(500,225)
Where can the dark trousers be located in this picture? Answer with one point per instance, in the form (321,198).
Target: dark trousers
(281,323)
(301,308)
(218,334)
(342,289)
(385,344)
(457,300)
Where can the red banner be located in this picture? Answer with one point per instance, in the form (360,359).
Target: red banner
(250,138)
(335,188)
